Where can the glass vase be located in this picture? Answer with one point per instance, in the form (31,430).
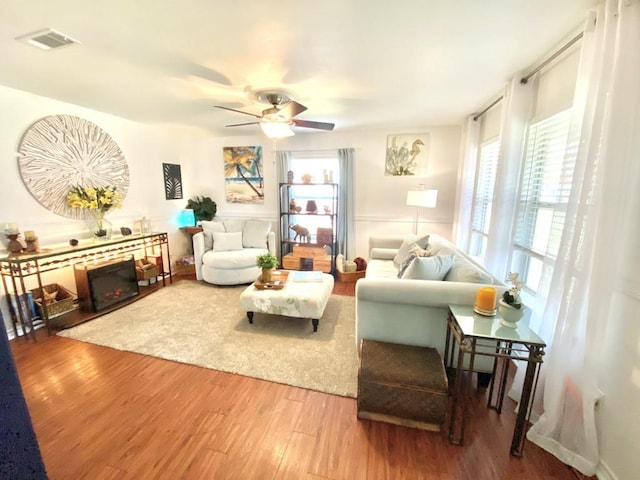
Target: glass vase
(102,230)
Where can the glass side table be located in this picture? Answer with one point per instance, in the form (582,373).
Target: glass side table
(475,334)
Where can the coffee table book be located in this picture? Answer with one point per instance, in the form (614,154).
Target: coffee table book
(307,276)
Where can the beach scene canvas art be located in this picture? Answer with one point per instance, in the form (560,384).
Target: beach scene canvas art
(244,182)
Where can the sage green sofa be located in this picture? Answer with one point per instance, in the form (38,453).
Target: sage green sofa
(414,311)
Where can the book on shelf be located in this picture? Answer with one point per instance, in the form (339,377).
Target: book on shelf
(307,276)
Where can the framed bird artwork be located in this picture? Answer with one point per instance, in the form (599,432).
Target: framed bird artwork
(407,155)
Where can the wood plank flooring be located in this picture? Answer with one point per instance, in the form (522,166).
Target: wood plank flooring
(104,414)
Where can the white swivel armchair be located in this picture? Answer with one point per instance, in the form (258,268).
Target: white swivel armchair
(225,251)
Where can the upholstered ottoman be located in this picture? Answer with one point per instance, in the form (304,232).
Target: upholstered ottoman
(402,384)
(300,299)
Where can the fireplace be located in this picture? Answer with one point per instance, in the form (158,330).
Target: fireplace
(104,285)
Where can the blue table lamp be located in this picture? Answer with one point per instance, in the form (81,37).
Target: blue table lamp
(186,218)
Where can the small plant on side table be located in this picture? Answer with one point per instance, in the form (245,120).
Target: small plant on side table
(512,296)
(510,305)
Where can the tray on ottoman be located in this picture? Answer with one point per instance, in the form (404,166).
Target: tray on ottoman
(402,384)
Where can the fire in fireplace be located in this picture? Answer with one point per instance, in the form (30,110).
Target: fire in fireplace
(104,285)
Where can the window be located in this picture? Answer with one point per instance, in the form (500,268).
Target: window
(483,197)
(544,195)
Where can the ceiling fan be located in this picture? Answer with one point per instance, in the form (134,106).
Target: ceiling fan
(276,121)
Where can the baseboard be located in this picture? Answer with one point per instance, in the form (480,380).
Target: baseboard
(603,472)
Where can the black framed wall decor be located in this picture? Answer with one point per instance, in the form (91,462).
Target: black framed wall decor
(172,181)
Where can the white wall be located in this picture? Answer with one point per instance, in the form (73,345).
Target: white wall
(380,201)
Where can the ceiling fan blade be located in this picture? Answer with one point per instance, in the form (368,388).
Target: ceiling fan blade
(237,111)
(291,109)
(310,124)
(243,124)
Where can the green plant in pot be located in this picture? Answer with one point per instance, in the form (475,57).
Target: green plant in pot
(510,305)
(203,208)
(267,262)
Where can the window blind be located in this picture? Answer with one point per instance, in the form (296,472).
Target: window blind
(483,196)
(546,185)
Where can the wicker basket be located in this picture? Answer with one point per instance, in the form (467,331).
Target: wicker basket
(351,276)
(144,271)
(184,266)
(62,303)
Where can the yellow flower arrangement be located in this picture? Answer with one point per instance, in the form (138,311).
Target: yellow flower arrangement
(98,201)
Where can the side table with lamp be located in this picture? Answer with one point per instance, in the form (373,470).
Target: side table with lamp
(187,223)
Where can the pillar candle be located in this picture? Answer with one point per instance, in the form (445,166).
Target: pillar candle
(486,298)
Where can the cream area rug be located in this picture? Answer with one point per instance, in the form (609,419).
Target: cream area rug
(200,324)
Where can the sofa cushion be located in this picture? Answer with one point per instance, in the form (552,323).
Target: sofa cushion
(225,241)
(254,233)
(377,268)
(429,268)
(233,259)
(407,245)
(463,270)
(234,224)
(208,227)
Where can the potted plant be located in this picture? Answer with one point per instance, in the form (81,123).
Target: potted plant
(267,262)
(510,305)
(203,208)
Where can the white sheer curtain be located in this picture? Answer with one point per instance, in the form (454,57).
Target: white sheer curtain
(346,195)
(606,106)
(466,182)
(518,101)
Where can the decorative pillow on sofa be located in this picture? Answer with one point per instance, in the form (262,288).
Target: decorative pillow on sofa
(405,265)
(234,224)
(405,248)
(419,252)
(429,268)
(463,270)
(208,227)
(254,233)
(226,241)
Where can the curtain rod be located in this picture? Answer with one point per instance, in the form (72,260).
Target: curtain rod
(312,150)
(526,78)
(563,49)
(495,102)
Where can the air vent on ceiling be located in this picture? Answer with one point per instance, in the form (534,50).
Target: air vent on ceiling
(47,39)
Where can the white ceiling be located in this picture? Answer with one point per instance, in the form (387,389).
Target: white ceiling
(357,63)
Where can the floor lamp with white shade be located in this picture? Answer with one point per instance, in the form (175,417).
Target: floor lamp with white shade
(421,198)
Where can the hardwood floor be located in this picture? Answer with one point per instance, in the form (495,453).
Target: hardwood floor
(104,414)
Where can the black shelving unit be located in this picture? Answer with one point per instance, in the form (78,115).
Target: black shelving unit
(315,207)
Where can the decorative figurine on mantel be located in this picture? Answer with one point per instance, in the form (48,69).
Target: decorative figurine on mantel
(33,245)
(14,245)
(12,233)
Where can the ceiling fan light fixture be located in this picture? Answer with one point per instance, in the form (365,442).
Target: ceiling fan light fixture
(277,129)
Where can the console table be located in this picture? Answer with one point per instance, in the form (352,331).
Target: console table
(17,270)
(480,335)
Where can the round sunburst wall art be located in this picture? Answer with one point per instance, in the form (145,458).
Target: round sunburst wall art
(61,151)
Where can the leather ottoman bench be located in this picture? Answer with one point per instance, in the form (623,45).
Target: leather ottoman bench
(402,384)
